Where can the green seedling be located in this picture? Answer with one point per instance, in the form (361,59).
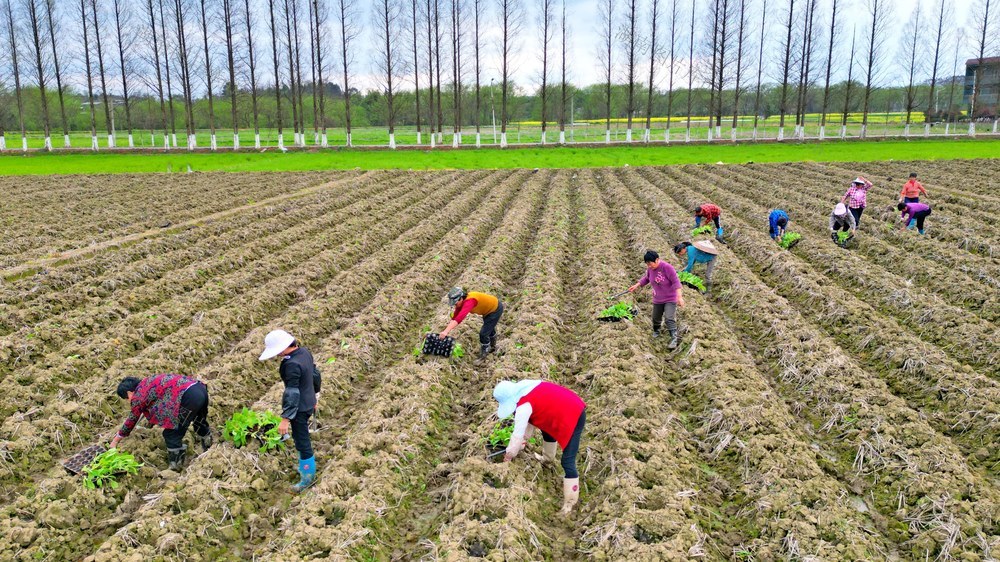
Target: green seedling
(701,230)
(692,280)
(621,311)
(247,424)
(789,239)
(501,433)
(73,357)
(331,360)
(456,351)
(106,467)
(842,237)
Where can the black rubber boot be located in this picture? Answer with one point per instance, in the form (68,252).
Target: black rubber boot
(674,340)
(656,331)
(493,343)
(835,238)
(205,440)
(176,458)
(484,350)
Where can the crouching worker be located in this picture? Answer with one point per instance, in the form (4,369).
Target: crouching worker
(913,212)
(302,385)
(666,293)
(841,219)
(702,251)
(560,415)
(777,222)
(485,305)
(709,212)
(171,401)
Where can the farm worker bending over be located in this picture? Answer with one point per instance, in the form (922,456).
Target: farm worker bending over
(911,193)
(700,252)
(710,212)
(666,293)
(842,220)
(558,412)
(777,221)
(299,402)
(170,401)
(856,198)
(913,212)
(485,305)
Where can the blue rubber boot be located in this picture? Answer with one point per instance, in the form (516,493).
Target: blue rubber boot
(913,223)
(307,474)
(718,236)
(921,231)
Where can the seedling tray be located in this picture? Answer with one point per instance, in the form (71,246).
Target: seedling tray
(78,462)
(436,345)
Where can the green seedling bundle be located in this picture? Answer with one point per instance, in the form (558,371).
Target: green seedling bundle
(789,240)
(105,469)
(248,424)
(691,280)
(706,229)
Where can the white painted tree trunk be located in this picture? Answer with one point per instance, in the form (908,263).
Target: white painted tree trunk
(281,142)
(324,140)
(111,141)
(131,141)
(66,143)
(503,140)
(479,140)
(645,135)
(562,137)
(433,140)
(93,143)
(822,132)
(906,130)
(732,135)
(349,141)
(24,144)
(236,141)
(972,128)
(392,140)
(666,136)
(48,144)
(166,142)
(543,137)
(687,135)
(781,133)
(316,139)
(441,137)
(256,141)
(607,136)
(710,130)
(628,134)
(754,134)
(3,142)
(995,126)
(927,129)
(843,132)
(718,131)
(454,140)
(947,128)
(173,139)
(864,131)
(213,144)
(460,138)
(418,139)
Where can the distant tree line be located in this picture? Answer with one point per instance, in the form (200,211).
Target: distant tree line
(173,67)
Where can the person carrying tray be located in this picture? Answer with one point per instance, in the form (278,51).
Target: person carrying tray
(483,304)
(300,400)
(172,402)
(841,219)
(777,221)
(913,212)
(560,415)
(666,293)
(702,251)
(710,212)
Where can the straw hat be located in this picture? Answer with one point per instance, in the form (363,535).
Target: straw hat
(707,247)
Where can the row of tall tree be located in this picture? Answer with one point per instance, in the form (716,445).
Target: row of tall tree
(195,60)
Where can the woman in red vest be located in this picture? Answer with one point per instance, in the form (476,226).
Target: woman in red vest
(560,415)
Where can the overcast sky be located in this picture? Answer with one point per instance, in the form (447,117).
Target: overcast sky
(584,39)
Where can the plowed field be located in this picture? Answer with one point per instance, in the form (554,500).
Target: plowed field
(825,403)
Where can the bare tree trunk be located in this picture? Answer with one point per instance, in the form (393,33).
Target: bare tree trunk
(631,46)
(40,70)
(687,131)
(387,35)
(12,37)
(227,20)
(277,78)
(208,78)
(546,21)
(312,73)
(829,67)
(739,69)
(104,89)
(983,24)
(955,72)
(456,63)
(723,42)
(850,85)
(90,81)
(185,76)
(292,91)
(510,22)
(55,62)
(715,60)
(653,54)
(347,35)
(785,68)
(935,65)
(298,72)
(760,69)
(416,64)
(251,55)
(124,69)
(477,8)
(912,36)
(319,10)
(877,9)
(563,83)
(674,14)
(807,41)
(437,66)
(166,70)
(607,42)
(430,73)
(159,74)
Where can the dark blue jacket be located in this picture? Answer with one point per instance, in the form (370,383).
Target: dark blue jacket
(302,383)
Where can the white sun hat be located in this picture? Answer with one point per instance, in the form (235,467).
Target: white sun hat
(507,393)
(275,342)
(840,210)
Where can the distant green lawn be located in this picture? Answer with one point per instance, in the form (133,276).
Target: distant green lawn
(36,163)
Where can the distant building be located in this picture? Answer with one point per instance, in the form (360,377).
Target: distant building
(989,86)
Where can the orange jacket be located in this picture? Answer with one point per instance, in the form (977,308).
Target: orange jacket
(912,188)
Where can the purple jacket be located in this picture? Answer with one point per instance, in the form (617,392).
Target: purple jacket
(912,209)
(664,280)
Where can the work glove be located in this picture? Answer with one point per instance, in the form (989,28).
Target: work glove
(515,446)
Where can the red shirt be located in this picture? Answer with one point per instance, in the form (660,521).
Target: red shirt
(710,211)
(463,310)
(912,188)
(158,398)
(554,410)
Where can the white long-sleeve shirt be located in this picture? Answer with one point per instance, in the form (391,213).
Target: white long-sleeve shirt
(521,416)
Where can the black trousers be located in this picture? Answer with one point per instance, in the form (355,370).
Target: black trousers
(300,434)
(194,411)
(857,215)
(489,331)
(920,216)
(670,308)
(572,448)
